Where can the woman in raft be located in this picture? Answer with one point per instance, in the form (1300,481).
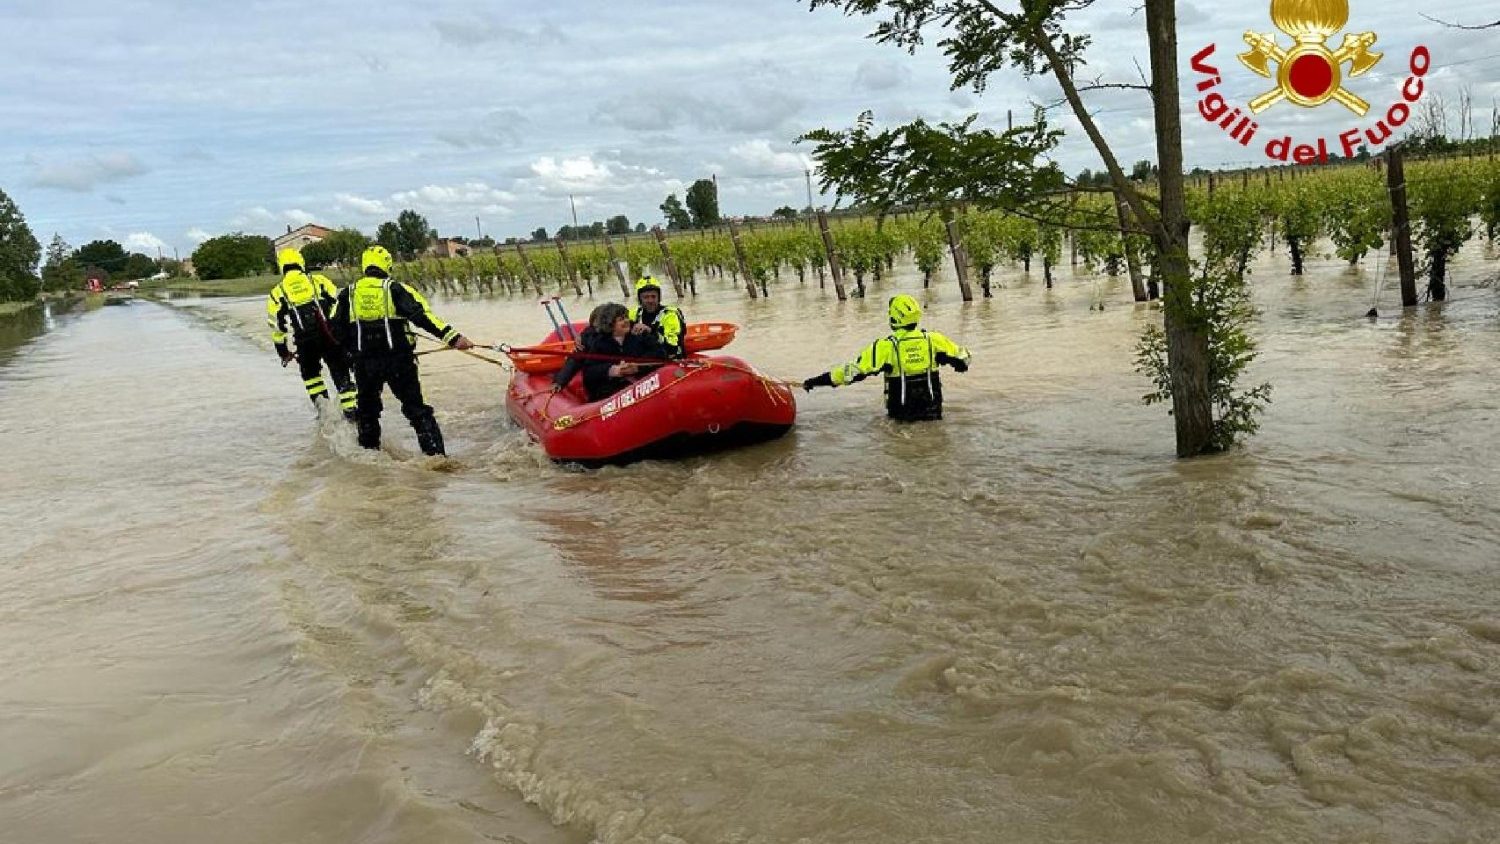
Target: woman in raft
(607,340)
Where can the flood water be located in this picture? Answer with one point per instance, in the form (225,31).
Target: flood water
(222,620)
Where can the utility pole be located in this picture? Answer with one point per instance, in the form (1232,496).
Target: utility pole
(574,206)
(478,228)
(807,172)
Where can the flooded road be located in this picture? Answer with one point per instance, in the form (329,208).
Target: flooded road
(1028,623)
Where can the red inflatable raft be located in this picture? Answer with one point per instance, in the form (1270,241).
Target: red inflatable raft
(698,404)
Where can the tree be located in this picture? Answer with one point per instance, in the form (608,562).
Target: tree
(785,212)
(703,203)
(139,266)
(677,216)
(1143,171)
(19,253)
(540,235)
(485,242)
(618,224)
(346,246)
(413,233)
(107,255)
(389,236)
(61,271)
(317,255)
(233,256)
(979,39)
(640,228)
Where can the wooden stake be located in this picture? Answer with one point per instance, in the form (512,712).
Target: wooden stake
(614,261)
(833,257)
(567,267)
(1395,176)
(960,255)
(739,256)
(530,270)
(666,255)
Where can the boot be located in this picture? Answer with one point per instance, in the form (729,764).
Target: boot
(429,435)
(369,432)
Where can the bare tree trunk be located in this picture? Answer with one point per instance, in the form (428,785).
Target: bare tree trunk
(1132,261)
(1187,343)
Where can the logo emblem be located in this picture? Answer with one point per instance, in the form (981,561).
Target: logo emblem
(1309,74)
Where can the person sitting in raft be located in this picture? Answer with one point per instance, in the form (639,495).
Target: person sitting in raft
(909,358)
(608,338)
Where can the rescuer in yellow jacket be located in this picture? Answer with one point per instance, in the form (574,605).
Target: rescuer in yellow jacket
(374,317)
(298,307)
(668,324)
(909,358)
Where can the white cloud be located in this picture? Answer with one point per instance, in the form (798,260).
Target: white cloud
(581,173)
(758,158)
(350,203)
(468,193)
(145,242)
(197,235)
(83,175)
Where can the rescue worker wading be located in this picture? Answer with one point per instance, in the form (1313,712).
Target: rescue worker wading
(668,323)
(909,358)
(300,306)
(375,316)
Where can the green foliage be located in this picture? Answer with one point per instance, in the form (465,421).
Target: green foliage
(1232,222)
(1358,212)
(785,212)
(19,253)
(677,217)
(61,271)
(413,234)
(233,256)
(703,203)
(389,236)
(618,224)
(346,246)
(1442,200)
(1219,304)
(107,255)
(540,235)
(1300,215)
(139,267)
(918,164)
(1489,203)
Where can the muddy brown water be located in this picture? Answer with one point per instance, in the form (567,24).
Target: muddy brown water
(221,620)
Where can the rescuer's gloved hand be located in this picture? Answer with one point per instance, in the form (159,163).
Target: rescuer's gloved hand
(960,365)
(824,380)
(285,354)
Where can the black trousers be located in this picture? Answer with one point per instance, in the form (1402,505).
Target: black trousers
(398,370)
(315,350)
(921,402)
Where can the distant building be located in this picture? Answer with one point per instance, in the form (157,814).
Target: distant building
(445,248)
(301,236)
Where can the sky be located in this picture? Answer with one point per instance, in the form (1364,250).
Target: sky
(160,124)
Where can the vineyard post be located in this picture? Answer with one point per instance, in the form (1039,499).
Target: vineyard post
(833,257)
(614,261)
(666,256)
(739,257)
(530,270)
(1210,185)
(1395,174)
(960,255)
(473,276)
(1132,262)
(567,268)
